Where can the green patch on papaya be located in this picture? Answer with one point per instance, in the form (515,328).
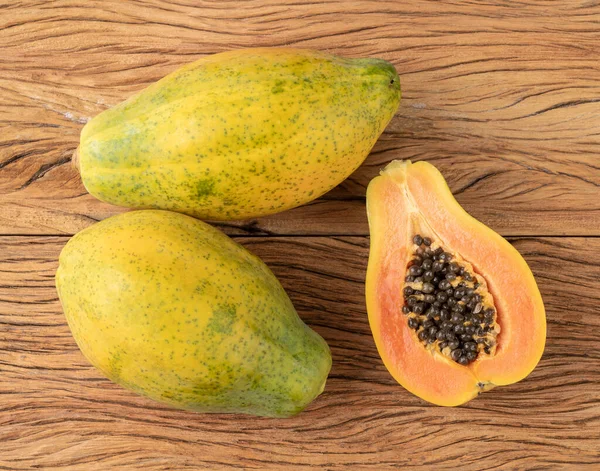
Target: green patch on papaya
(223,318)
(205,187)
(278,88)
(115,366)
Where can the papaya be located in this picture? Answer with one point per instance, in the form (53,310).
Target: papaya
(239,134)
(173,309)
(453,307)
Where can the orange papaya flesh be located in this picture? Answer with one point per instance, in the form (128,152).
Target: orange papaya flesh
(413,199)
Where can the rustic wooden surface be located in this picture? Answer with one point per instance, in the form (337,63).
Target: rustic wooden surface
(504,97)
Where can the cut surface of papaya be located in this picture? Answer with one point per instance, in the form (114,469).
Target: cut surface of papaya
(453,307)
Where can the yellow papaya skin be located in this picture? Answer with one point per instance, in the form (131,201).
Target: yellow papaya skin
(240,134)
(173,309)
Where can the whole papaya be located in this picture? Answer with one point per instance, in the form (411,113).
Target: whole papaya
(173,309)
(240,134)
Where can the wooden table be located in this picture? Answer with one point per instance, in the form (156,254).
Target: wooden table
(504,97)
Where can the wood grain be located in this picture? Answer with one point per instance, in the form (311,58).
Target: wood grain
(502,96)
(57,412)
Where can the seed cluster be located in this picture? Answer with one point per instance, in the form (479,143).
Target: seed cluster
(445,306)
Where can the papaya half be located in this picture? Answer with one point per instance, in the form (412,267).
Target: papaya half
(173,309)
(239,134)
(453,307)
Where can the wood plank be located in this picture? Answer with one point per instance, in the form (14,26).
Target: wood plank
(57,412)
(503,97)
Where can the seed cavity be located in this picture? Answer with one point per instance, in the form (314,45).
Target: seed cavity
(447,304)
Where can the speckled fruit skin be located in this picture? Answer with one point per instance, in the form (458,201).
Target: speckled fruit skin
(240,134)
(173,309)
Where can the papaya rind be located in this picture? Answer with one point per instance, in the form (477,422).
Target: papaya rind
(175,310)
(240,134)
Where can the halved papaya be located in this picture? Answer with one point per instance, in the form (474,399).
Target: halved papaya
(453,307)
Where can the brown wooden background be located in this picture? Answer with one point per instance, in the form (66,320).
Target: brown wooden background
(503,96)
